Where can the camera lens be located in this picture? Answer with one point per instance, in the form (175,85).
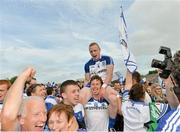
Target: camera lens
(158,64)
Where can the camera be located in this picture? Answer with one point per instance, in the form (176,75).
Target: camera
(164,65)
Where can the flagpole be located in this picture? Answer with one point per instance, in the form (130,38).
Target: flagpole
(129,59)
(121,5)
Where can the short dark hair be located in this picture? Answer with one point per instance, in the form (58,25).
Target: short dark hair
(49,90)
(96,77)
(137,91)
(115,81)
(136,76)
(32,88)
(67,83)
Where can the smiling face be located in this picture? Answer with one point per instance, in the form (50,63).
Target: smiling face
(34,116)
(118,87)
(94,50)
(95,87)
(40,90)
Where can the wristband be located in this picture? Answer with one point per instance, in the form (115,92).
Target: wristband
(104,85)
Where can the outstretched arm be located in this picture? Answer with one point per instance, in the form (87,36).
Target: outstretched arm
(13,101)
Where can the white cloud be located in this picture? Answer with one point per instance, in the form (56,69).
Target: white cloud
(156,23)
(92,7)
(55,37)
(153,24)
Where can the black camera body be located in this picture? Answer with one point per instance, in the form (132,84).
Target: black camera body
(164,65)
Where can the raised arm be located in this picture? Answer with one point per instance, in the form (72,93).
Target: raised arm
(13,101)
(87,78)
(109,74)
(128,83)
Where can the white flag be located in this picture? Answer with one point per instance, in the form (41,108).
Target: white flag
(129,59)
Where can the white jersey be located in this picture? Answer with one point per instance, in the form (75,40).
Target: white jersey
(98,67)
(135,114)
(97,115)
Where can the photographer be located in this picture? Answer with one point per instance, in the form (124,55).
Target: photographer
(171,121)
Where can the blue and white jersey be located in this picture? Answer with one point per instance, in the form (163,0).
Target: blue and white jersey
(136,113)
(96,115)
(79,114)
(170,122)
(98,67)
(50,101)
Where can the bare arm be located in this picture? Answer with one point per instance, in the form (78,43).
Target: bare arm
(171,97)
(128,83)
(85,95)
(87,78)
(109,74)
(113,106)
(13,101)
(111,95)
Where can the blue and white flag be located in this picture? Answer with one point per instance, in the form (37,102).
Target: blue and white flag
(129,59)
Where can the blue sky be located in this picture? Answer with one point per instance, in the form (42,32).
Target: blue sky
(53,35)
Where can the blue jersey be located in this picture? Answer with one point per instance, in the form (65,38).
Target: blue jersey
(79,114)
(50,101)
(98,67)
(170,122)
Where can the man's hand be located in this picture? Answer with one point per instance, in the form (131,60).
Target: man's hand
(168,82)
(28,74)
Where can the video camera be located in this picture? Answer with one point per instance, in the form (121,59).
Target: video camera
(164,65)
